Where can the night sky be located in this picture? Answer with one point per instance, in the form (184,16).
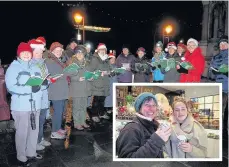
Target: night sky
(132,23)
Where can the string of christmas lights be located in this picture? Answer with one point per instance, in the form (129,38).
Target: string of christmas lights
(81,3)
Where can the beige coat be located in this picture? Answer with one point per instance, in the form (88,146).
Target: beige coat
(195,134)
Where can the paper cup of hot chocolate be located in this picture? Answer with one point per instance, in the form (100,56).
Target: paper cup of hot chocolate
(182,139)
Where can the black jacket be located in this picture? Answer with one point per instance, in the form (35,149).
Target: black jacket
(139,140)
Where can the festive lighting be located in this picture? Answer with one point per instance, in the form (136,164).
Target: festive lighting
(94,28)
(168,29)
(78,18)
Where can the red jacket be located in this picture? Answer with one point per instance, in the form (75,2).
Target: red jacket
(197,60)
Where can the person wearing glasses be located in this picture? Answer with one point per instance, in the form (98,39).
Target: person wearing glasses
(143,137)
(194,56)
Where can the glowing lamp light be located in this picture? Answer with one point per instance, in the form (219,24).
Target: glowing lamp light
(78,37)
(168,29)
(78,18)
(88,45)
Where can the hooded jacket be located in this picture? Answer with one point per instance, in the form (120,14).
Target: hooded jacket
(16,76)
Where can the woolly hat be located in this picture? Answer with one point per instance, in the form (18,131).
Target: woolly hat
(224,39)
(34,44)
(111,55)
(141,98)
(55,45)
(141,49)
(193,40)
(101,46)
(171,45)
(80,49)
(183,46)
(24,47)
(159,44)
(42,40)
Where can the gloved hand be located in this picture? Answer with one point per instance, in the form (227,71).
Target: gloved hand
(35,89)
(45,83)
(153,68)
(167,69)
(159,66)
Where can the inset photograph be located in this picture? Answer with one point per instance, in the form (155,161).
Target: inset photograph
(167,122)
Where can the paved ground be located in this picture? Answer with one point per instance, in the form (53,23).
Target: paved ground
(87,149)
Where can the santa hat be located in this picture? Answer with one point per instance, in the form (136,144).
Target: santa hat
(183,46)
(24,47)
(34,44)
(193,40)
(171,45)
(42,40)
(101,46)
(141,49)
(111,55)
(55,45)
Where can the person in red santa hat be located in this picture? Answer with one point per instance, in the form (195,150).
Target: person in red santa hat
(38,46)
(170,74)
(181,49)
(100,87)
(195,57)
(25,103)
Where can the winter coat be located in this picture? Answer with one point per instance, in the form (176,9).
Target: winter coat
(141,76)
(109,99)
(42,68)
(58,90)
(157,74)
(80,88)
(195,134)
(217,61)
(88,56)
(197,60)
(100,86)
(16,76)
(171,76)
(127,76)
(139,140)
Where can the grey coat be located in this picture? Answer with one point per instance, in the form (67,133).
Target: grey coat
(100,87)
(80,88)
(172,76)
(58,90)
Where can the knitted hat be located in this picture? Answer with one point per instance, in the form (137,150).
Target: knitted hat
(42,40)
(159,44)
(224,39)
(141,98)
(55,45)
(193,40)
(183,46)
(24,47)
(141,49)
(101,46)
(111,55)
(171,45)
(34,44)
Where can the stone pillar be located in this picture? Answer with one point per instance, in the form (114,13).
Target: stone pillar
(205,21)
(216,24)
(226,23)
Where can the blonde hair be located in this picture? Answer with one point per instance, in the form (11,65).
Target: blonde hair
(179,99)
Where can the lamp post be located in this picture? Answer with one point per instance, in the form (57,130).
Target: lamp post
(78,19)
(168,29)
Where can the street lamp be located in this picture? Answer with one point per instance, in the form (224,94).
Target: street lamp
(78,18)
(168,29)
